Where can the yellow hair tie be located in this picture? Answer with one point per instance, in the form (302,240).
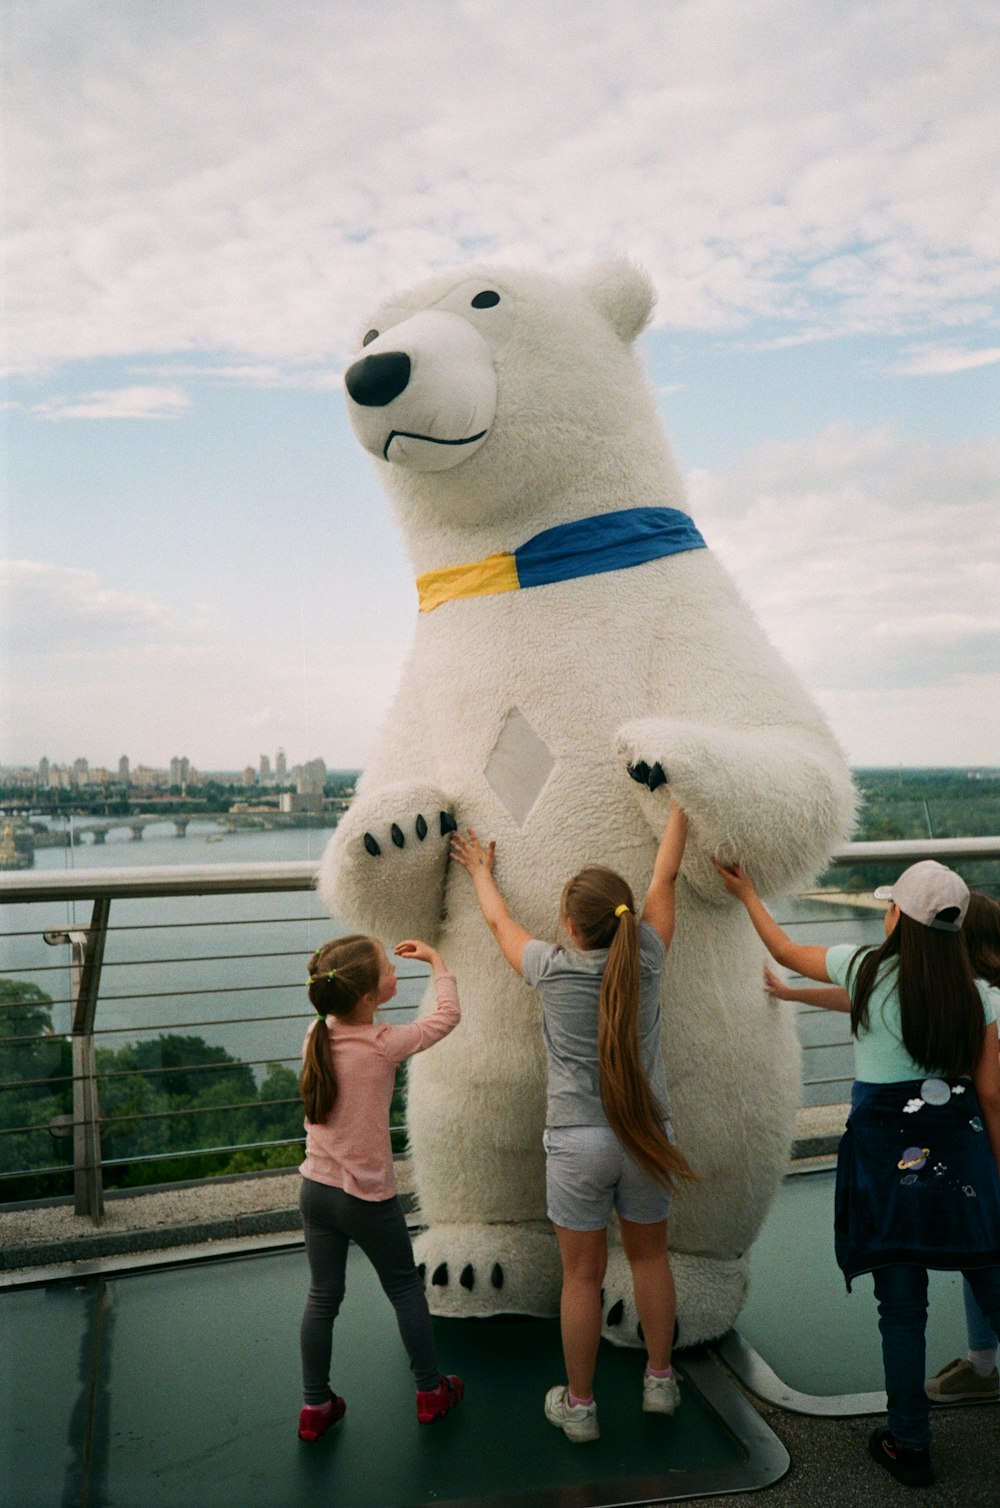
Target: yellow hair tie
(620,909)
(318,978)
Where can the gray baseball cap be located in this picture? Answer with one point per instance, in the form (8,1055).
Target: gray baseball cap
(926,889)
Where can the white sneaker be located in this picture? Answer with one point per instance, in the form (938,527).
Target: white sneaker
(578,1421)
(660,1395)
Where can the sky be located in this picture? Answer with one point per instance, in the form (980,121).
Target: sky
(202,202)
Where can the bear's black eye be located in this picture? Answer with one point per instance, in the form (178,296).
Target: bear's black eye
(372,335)
(486,299)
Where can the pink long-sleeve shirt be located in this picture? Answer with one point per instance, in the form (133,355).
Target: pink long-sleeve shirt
(352,1148)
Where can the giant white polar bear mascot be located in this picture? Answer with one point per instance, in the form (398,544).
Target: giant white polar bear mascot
(502,404)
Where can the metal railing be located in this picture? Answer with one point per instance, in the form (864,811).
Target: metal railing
(89,1071)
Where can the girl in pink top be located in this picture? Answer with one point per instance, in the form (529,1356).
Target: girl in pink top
(348,1185)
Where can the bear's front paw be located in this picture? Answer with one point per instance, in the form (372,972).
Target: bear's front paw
(397,836)
(651,775)
(384,869)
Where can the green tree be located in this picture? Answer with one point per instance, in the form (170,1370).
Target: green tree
(35,1087)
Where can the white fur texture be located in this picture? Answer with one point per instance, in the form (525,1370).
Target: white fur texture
(663,662)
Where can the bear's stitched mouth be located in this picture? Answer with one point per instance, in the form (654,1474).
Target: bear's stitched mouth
(406,434)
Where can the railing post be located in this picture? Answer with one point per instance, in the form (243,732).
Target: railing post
(87,958)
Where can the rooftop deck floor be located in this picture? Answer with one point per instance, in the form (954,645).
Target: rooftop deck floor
(178,1383)
(181,1385)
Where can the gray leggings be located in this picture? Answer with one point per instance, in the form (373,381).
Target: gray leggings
(332,1219)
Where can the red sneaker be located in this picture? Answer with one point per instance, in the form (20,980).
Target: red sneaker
(436,1402)
(314,1422)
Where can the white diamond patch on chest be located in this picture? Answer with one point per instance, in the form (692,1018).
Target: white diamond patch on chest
(519,766)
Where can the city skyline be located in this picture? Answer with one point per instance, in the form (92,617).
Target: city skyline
(212,199)
(177,770)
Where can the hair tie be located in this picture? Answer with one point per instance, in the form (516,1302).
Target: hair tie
(619,910)
(318,978)
(320,1016)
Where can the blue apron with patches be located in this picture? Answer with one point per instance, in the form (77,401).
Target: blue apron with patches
(916,1181)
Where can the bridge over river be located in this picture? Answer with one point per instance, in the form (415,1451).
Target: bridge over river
(137,822)
(99,827)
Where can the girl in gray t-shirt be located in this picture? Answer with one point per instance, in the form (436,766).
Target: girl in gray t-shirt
(608,1139)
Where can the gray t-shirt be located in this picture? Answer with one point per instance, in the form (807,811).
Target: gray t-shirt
(568,982)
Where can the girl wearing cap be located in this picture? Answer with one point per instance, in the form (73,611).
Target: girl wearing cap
(918,1168)
(972,1377)
(608,1139)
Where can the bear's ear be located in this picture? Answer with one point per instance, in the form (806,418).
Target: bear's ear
(623,293)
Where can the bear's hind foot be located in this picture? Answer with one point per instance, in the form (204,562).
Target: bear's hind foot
(710,1295)
(479,1270)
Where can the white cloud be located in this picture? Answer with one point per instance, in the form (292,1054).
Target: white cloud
(953,724)
(115,673)
(51,609)
(244,178)
(258,374)
(118,403)
(870,559)
(943,361)
(163,698)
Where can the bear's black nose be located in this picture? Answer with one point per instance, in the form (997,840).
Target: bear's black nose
(375,380)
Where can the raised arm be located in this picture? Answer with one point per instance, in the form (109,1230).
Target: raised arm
(803,958)
(659,905)
(830,998)
(414,947)
(478,863)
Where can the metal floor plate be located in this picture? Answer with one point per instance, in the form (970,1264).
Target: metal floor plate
(180,1384)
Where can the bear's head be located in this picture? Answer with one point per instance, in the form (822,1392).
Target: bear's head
(496,400)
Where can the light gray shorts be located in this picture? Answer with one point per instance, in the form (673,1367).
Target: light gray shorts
(588,1173)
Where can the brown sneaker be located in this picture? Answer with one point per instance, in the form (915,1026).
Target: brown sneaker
(959,1381)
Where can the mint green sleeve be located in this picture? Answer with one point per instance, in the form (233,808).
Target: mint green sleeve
(838,962)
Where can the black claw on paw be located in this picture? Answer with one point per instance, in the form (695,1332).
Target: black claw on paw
(396,834)
(657,777)
(496,1276)
(422,1270)
(677,1333)
(440,1276)
(616,1313)
(468,1277)
(639,772)
(372,846)
(421,828)
(639,1332)
(448,824)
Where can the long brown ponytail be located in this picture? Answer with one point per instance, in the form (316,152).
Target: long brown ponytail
(601,907)
(340,972)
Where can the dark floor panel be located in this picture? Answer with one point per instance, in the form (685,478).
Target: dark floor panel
(181,1386)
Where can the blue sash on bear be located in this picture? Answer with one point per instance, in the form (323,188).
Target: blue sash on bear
(916,1181)
(584,547)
